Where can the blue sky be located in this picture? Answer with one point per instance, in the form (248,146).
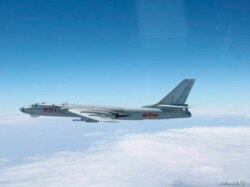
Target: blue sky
(123,52)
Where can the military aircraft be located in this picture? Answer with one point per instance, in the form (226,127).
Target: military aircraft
(171,106)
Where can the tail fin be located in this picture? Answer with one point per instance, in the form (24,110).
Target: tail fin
(178,95)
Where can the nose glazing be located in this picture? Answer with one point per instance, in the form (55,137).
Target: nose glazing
(22,109)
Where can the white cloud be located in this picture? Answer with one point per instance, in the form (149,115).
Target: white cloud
(3,161)
(177,157)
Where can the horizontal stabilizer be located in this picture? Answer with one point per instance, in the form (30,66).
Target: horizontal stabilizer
(173,106)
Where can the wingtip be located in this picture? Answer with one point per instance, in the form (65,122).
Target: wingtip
(189,80)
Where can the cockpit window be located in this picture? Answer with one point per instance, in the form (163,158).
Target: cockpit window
(35,105)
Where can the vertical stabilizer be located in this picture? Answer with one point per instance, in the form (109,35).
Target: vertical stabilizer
(178,95)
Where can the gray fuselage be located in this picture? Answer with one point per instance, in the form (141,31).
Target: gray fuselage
(118,113)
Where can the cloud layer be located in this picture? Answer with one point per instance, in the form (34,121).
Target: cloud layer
(177,157)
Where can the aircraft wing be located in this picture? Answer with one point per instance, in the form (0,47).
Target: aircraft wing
(92,116)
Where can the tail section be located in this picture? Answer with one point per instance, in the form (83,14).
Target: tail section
(178,95)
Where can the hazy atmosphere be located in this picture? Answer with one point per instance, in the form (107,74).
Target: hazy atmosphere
(127,53)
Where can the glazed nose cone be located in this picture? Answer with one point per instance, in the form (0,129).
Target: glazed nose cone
(22,109)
